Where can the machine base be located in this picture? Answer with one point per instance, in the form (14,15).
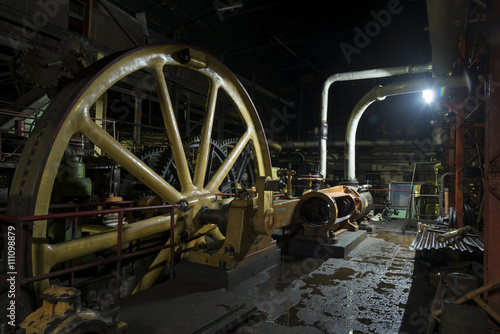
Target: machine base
(370,228)
(182,307)
(347,242)
(189,271)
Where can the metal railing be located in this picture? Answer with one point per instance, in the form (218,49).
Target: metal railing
(15,238)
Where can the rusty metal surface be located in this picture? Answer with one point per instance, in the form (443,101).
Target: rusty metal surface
(492,165)
(427,238)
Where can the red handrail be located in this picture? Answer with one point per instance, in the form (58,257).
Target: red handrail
(15,271)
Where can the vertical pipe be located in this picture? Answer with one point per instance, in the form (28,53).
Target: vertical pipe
(446,200)
(442,210)
(87,24)
(137,120)
(459,176)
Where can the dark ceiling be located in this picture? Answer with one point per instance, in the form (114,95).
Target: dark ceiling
(290,47)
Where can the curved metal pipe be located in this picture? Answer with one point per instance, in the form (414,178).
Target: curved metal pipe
(381,92)
(357,75)
(274,146)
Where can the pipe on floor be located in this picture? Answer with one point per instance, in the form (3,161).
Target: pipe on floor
(357,75)
(381,92)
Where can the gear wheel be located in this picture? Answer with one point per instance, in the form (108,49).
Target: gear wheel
(165,167)
(130,188)
(76,55)
(31,68)
(243,169)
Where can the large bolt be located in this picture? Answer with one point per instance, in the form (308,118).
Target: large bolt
(229,250)
(184,56)
(183,205)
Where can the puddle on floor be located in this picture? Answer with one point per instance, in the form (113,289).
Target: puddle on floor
(344,274)
(398,238)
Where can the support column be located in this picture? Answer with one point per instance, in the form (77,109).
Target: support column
(87,23)
(492,163)
(100,115)
(19,128)
(459,175)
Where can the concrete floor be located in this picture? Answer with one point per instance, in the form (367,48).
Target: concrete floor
(365,292)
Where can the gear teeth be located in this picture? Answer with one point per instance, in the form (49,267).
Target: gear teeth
(193,143)
(244,166)
(150,157)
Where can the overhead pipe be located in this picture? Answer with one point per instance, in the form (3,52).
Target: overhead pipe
(357,75)
(310,144)
(381,92)
(447,20)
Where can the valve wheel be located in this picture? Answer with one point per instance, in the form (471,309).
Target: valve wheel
(69,114)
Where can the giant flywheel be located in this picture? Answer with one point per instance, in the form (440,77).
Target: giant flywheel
(69,115)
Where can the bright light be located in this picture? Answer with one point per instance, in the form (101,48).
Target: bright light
(428,95)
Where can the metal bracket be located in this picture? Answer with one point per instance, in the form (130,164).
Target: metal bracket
(193,58)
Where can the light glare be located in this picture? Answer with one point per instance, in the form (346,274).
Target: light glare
(428,95)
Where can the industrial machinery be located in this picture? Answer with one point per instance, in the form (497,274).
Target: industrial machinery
(225,195)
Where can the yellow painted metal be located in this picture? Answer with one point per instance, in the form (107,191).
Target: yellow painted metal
(225,167)
(129,161)
(263,222)
(173,133)
(285,212)
(68,114)
(62,312)
(206,134)
(250,223)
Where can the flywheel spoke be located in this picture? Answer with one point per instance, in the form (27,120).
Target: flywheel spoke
(173,133)
(206,134)
(130,162)
(228,163)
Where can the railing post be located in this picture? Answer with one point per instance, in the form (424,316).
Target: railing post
(172,243)
(119,256)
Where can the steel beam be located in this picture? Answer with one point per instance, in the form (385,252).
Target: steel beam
(492,164)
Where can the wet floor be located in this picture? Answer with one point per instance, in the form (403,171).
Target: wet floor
(366,292)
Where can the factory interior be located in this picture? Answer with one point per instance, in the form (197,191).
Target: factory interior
(249,166)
